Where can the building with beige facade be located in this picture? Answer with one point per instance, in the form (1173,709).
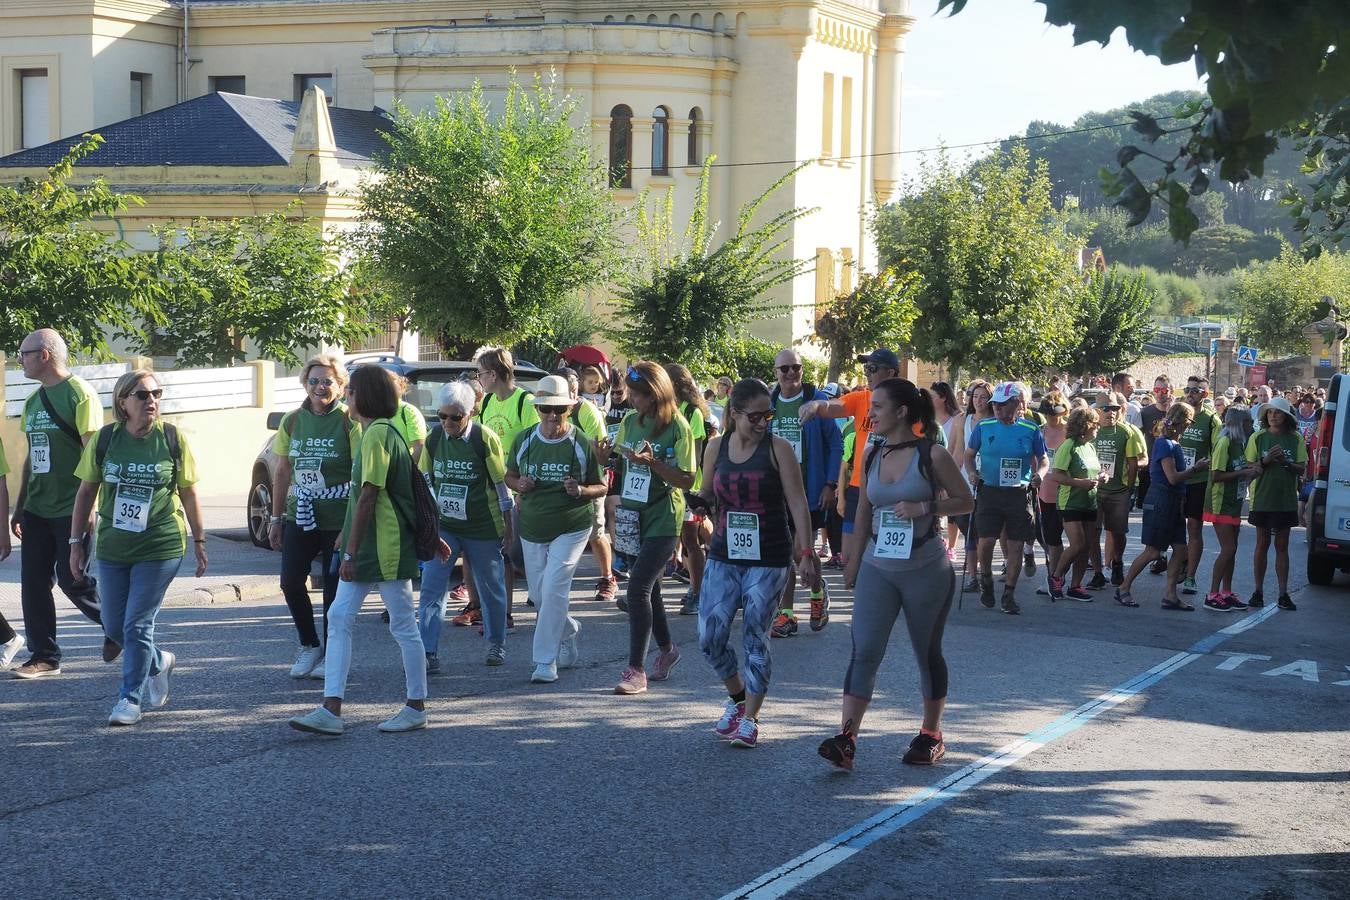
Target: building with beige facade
(761,84)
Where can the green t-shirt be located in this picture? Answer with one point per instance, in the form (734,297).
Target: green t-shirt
(1276,489)
(547,512)
(320,449)
(589,419)
(388,550)
(508,418)
(1197,442)
(1079,460)
(787,424)
(410,423)
(698,430)
(1224,498)
(850,438)
(1116,445)
(660,508)
(52,454)
(139,515)
(463,482)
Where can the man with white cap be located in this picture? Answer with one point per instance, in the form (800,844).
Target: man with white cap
(1005,455)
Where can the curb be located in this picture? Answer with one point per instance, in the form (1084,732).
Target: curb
(235,592)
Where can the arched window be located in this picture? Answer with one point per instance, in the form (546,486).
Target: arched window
(621,147)
(675,19)
(651,19)
(695,150)
(609,20)
(660,141)
(696,20)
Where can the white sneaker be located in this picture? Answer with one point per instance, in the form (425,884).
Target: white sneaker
(316,673)
(9,650)
(406,719)
(545,673)
(158,689)
(304,663)
(318,721)
(125,713)
(569,653)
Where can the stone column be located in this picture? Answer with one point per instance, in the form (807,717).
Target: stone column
(886,136)
(1226,370)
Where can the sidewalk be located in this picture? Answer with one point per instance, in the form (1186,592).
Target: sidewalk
(236,571)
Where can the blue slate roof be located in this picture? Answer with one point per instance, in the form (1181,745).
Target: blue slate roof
(214,130)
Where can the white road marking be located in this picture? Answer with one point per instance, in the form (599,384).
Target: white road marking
(1236,659)
(1303,668)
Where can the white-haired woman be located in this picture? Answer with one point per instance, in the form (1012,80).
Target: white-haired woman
(464,463)
(310,486)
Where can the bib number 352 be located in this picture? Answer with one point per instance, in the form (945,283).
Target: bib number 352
(131,507)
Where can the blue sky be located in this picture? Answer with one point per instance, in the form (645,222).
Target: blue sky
(984,74)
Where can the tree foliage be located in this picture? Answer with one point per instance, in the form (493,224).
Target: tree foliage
(271,281)
(57,272)
(486,220)
(566,325)
(742,356)
(879,312)
(1271,67)
(1112,321)
(688,299)
(994,261)
(1279,299)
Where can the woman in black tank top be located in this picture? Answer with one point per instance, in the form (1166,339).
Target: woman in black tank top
(752,479)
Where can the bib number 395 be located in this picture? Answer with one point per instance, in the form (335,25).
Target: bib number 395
(131,507)
(743,536)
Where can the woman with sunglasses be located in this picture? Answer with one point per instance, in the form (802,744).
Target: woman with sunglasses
(310,486)
(656,466)
(554,470)
(464,463)
(141,474)
(755,481)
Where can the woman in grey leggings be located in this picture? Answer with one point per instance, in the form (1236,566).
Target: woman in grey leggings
(896,560)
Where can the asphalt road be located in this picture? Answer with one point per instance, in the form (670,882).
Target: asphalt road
(1216,775)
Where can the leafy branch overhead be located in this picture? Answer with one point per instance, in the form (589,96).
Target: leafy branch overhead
(687,297)
(1271,68)
(878,312)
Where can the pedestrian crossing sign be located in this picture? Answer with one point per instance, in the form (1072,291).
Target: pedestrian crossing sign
(1246,356)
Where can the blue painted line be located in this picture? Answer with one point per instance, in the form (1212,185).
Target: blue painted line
(820,859)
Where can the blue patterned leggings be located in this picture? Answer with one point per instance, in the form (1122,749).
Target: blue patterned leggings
(726,588)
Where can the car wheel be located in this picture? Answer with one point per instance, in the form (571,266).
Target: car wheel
(259,510)
(1321,570)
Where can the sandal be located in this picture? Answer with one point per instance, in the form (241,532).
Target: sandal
(1125,599)
(1178,605)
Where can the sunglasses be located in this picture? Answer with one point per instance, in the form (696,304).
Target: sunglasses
(142,394)
(1162,390)
(790,368)
(756,417)
(1193,390)
(873,368)
(1109,408)
(552,410)
(316,382)
(451,417)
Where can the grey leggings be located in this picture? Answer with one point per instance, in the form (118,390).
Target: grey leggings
(925,595)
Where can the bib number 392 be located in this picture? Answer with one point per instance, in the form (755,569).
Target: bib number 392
(131,507)
(895,537)
(743,536)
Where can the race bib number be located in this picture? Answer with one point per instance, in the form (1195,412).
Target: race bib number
(792,433)
(627,531)
(39,453)
(1010,472)
(895,536)
(743,536)
(612,431)
(637,484)
(309,474)
(1188,455)
(1108,460)
(453,499)
(131,507)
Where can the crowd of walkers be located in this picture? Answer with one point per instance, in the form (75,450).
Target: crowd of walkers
(743,491)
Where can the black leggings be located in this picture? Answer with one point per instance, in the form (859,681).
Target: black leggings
(298,549)
(6,631)
(834,531)
(646,613)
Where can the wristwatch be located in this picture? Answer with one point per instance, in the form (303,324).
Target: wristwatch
(75,540)
(346,557)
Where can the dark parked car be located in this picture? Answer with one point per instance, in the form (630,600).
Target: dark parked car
(425,380)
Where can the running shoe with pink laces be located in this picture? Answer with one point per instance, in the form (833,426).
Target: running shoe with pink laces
(460,594)
(665,661)
(731,718)
(632,681)
(747,733)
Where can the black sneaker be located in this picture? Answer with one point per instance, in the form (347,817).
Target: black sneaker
(1098,582)
(1159,566)
(1256,599)
(839,751)
(1117,573)
(924,750)
(1029,564)
(111,649)
(987,593)
(1285,603)
(1010,603)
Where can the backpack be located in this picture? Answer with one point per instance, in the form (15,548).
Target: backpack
(105,436)
(520,404)
(426,521)
(476,443)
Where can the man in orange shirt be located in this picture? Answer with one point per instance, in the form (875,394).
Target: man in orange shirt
(878,365)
